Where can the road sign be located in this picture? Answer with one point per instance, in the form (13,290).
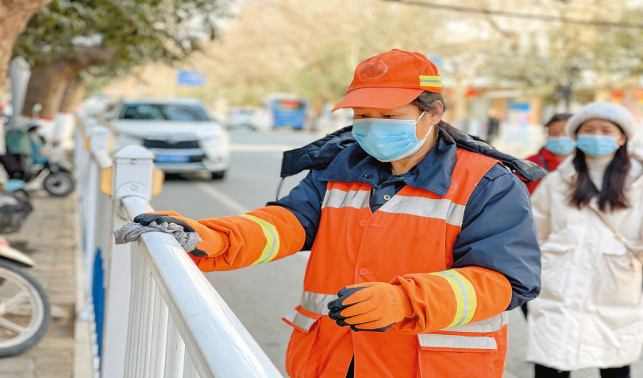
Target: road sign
(190,78)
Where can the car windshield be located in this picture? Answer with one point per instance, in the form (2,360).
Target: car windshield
(163,112)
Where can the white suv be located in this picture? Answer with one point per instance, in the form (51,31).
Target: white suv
(179,132)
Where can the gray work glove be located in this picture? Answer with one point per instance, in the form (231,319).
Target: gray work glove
(132,231)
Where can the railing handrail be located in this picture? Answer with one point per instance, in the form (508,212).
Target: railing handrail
(210,340)
(214,337)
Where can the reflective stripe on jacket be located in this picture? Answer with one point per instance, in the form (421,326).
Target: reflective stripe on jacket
(457,329)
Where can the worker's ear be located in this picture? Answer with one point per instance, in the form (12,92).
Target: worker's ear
(435,112)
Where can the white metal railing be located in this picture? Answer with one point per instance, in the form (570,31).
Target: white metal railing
(155,313)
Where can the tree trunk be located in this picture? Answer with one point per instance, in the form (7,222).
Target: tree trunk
(74,93)
(14,16)
(49,80)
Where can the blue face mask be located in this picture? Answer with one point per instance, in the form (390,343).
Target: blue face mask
(388,139)
(597,145)
(560,145)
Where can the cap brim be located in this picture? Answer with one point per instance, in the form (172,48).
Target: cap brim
(378,98)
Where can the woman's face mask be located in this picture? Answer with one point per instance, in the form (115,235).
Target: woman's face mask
(388,139)
(560,145)
(598,137)
(597,145)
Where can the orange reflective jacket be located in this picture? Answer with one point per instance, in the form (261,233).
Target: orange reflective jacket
(458,328)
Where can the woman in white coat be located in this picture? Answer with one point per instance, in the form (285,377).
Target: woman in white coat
(589,214)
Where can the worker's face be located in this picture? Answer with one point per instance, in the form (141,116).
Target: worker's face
(602,127)
(406,112)
(557,129)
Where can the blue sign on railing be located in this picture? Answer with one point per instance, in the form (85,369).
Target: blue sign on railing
(190,78)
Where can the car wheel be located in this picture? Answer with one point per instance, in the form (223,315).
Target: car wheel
(219,175)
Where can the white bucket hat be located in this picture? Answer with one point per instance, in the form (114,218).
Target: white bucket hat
(601,110)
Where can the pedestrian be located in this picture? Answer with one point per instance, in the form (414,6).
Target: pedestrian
(493,127)
(421,238)
(557,148)
(588,213)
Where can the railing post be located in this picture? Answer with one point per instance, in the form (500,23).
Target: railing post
(131,176)
(98,141)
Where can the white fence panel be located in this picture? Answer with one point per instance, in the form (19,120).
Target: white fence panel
(162,318)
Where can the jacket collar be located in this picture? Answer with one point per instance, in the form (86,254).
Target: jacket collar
(548,155)
(433,173)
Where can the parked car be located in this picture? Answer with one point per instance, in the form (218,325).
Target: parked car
(179,132)
(240,117)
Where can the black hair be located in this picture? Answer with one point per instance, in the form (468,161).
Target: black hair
(426,103)
(558,117)
(612,192)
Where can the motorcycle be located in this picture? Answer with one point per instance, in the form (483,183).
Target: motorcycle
(25,313)
(37,168)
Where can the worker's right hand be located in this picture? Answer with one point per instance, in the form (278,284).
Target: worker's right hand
(195,238)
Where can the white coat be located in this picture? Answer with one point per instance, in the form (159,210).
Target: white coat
(590,309)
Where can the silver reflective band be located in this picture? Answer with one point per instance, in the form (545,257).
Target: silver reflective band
(490,325)
(300,320)
(457,342)
(339,198)
(443,209)
(317,303)
(465,296)
(430,81)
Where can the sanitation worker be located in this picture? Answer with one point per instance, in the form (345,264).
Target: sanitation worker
(421,237)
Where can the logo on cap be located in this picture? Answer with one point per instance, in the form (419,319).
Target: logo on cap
(374,70)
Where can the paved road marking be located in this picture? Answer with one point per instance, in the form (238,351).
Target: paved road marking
(223,198)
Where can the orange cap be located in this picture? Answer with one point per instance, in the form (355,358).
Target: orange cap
(391,80)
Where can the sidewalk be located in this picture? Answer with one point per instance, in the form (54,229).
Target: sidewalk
(49,237)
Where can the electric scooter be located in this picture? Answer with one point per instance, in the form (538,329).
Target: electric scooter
(25,313)
(45,171)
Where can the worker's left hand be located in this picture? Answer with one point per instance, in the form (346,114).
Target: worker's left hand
(370,306)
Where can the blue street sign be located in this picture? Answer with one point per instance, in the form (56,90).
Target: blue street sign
(190,78)
(519,106)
